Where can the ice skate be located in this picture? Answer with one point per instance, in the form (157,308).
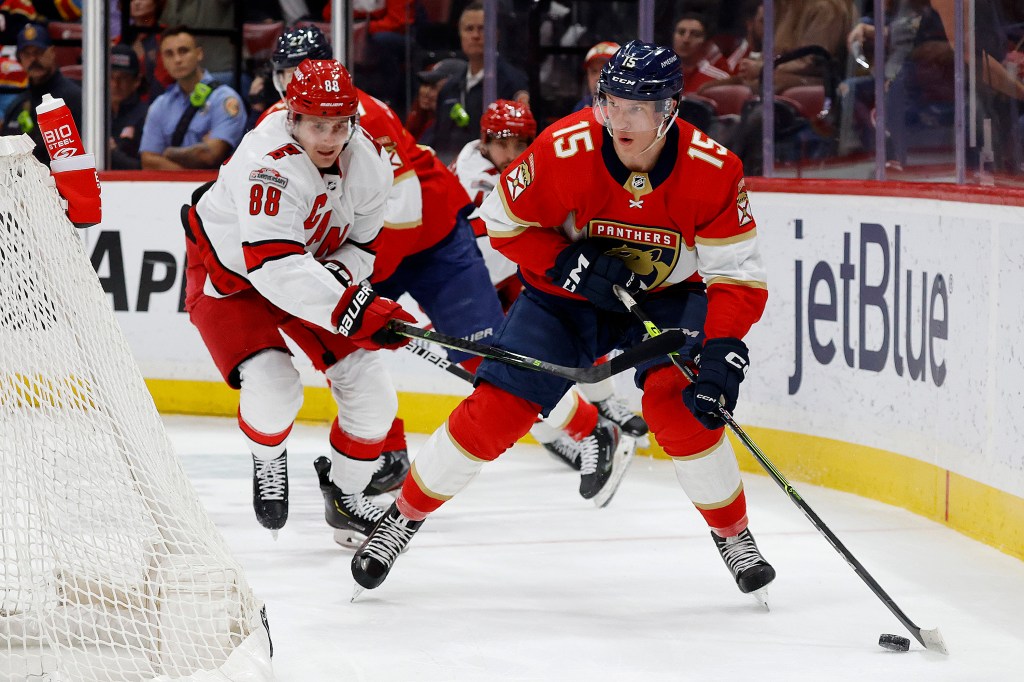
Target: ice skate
(270,491)
(604,457)
(375,557)
(750,570)
(390,473)
(565,449)
(351,515)
(615,410)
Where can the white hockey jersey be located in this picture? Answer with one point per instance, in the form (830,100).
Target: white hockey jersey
(272,218)
(479,176)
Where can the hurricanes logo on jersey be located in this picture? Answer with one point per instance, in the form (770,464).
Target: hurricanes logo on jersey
(518,180)
(650,252)
(743,204)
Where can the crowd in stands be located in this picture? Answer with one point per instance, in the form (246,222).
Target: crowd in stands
(173,60)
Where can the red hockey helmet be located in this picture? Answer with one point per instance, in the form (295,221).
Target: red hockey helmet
(505,118)
(322,87)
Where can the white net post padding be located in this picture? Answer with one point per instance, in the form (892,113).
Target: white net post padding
(110,568)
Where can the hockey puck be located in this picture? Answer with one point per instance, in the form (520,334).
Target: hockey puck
(894,642)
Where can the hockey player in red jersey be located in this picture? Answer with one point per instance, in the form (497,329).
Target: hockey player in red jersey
(506,128)
(427,249)
(281,242)
(622,194)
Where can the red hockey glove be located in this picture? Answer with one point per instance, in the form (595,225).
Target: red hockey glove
(362,316)
(77,182)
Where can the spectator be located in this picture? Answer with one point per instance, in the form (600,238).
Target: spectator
(39,60)
(197,122)
(14,14)
(127,108)
(379,32)
(596,58)
(208,14)
(420,121)
(749,48)
(690,42)
(143,35)
(460,103)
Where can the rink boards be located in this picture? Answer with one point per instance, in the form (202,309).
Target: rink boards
(886,363)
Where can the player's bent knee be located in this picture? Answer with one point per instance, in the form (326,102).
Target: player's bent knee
(490,421)
(677,430)
(366,397)
(271,391)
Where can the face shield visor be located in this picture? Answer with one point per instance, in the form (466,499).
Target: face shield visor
(281,78)
(621,115)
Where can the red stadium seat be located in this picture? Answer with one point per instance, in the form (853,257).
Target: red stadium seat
(67,55)
(728,98)
(72,71)
(810,99)
(261,38)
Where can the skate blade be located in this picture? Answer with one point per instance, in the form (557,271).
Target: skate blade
(622,458)
(349,539)
(356,591)
(273,534)
(761,597)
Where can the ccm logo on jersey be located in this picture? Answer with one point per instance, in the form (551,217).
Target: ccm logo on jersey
(268,176)
(353,316)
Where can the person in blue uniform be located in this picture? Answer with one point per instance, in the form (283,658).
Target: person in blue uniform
(198,121)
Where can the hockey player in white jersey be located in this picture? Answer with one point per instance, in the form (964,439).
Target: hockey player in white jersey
(506,129)
(280,244)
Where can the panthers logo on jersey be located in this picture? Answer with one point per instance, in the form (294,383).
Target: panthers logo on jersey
(650,252)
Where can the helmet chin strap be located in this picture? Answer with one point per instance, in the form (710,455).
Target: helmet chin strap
(662,129)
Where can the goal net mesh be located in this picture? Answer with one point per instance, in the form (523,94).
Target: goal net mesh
(110,568)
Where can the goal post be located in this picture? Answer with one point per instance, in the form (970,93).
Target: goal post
(110,569)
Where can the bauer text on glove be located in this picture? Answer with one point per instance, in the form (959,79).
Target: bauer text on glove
(362,316)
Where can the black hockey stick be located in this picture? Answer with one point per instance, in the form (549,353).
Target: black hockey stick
(929,639)
(666,343)
(419,348)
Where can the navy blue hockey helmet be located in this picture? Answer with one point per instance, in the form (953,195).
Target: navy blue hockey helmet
(642,71)
(307,42)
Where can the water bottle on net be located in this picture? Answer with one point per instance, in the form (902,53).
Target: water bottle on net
(73,170)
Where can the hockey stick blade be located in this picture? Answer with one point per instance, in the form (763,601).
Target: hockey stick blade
(929,639)
(664,344)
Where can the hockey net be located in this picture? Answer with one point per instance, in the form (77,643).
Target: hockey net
(110,568)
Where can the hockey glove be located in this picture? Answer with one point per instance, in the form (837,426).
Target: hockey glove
(584,268)
(362,316)
(79,185)
(723,364)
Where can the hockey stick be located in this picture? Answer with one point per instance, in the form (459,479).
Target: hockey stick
(929,639)
(420,349)
(666,343)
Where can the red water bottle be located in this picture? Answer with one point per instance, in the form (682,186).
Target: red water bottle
(57,125)
(73,171)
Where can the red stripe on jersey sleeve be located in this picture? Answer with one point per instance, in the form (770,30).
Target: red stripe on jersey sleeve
(733,310)
(258,253)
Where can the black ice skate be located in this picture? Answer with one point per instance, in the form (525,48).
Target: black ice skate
(351,515)
(604,458)
(390,473)
(270,491)
(566,450)
(374,559)
(751,572)
(615,410)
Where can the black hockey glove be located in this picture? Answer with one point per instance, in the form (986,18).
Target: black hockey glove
(723,364)
(584,268)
